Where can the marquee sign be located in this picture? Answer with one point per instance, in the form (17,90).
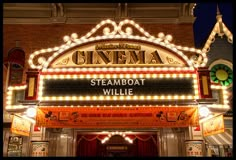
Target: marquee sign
(81,86)
(118,53)
(116,117)
(118,87)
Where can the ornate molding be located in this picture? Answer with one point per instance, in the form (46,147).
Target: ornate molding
(81,13)
(113,31)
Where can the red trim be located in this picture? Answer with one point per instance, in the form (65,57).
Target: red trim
(114,106)
(204,72)
(37,86)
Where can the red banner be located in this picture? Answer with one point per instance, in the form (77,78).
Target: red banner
(116,117)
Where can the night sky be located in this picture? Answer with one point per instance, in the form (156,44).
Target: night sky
(205,14)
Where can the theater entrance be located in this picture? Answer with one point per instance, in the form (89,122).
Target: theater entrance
(117,144)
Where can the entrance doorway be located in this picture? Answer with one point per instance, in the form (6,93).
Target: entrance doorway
(117,145)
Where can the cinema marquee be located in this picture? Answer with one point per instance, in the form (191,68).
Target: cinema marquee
(116,76)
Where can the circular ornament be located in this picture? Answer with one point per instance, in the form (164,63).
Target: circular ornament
(222,74)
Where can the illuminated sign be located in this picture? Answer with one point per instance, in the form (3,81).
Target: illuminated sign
(117,87)
(85,86)
(118,53)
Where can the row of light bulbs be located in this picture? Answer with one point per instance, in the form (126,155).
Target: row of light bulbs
(228,33)
(14,107)
(219,106)
(116,133)
(102,98)
(113,35)
(218,87)
(119,69)
(22,87)
(117,106)
(88,76)
(18,87)
(224,93)
(10,91)
(216,30)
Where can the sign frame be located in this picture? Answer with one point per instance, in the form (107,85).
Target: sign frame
(214,125)
(194,148)
(42,148)
(20,126)
(117,117)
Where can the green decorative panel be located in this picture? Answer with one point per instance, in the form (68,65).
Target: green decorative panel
(222,74)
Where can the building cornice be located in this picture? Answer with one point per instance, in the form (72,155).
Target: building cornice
(80,13)
(64,20)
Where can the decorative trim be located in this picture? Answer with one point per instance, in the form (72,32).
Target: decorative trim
(171,60)
(220,29)
(63,61)
(94,20)
(121,31)
(222,74)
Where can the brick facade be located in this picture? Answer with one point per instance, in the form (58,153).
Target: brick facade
(36,37)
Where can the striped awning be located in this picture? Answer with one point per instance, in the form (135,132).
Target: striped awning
(224,138)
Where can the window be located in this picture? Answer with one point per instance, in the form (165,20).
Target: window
(16,61)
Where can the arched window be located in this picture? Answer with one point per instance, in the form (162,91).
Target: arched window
(16,61)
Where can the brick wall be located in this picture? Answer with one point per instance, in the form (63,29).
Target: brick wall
(36,37)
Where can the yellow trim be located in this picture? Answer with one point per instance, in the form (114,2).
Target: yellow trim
(205,85)
(31,87)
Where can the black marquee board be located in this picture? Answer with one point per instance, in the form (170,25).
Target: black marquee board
(83,87)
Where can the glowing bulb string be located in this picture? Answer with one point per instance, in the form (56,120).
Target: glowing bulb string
(74,41)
